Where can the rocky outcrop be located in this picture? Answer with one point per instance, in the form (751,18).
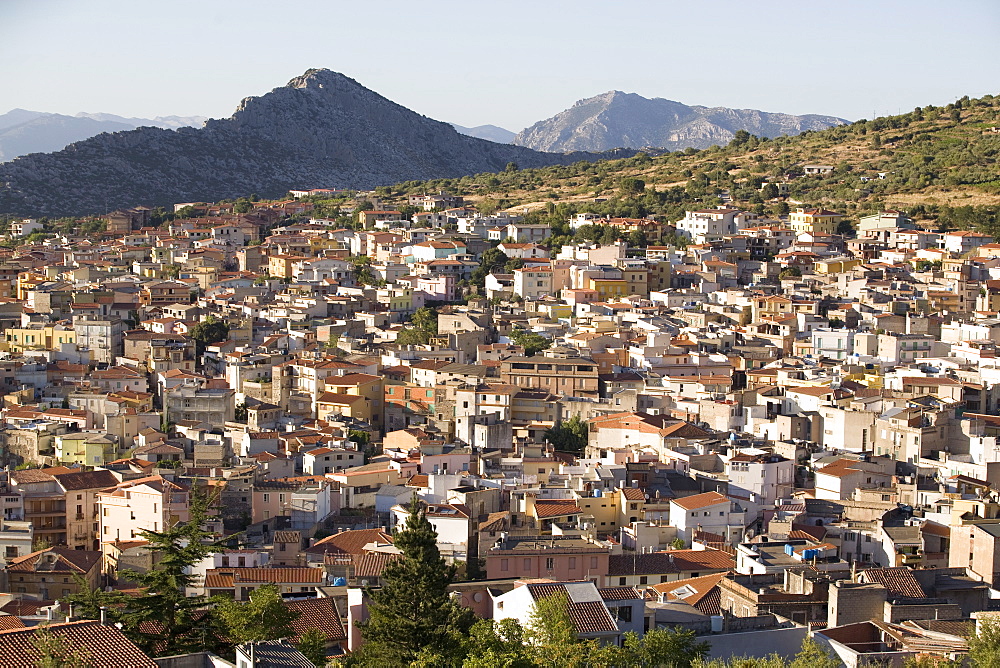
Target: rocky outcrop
(617,119)
(322,129)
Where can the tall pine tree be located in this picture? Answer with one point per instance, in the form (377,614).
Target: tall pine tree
(412,611)
(164,621)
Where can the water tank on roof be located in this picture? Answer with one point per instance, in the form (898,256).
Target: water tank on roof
(789,549)
(340,582)
(598,493)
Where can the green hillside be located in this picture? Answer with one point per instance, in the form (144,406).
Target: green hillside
(937,163)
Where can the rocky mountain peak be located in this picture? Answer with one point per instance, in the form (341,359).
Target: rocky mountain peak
(323,129)
(618,119)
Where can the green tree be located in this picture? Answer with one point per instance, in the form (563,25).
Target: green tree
(208,331)
(88,601)
(240,413)
(495,644)
(769,191)
(569,435)
(426,319)
(984,645)
(676,648)
(492,259)
(54,653)
(812,655)
(412,337)
(789,272)
(312,644)
(678,544)
(532,342)
(553,639)
(637,239)
(412,611)
(631,187)
(552,634)
(263,617)
(164,621)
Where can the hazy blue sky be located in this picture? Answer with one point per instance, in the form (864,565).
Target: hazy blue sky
(507,63)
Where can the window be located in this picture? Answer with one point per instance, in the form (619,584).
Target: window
(550,563)
(504,564)
(621,582)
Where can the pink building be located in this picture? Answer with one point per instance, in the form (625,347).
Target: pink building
(151,504)
(554,557)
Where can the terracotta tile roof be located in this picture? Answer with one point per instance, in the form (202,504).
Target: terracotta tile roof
(675,561)
(270,575)
(700,500)
(25,607)
(648,424)
(87,480)
(899,581)
(587,616)
(418,480)
(59,559)
(8,622)
(701,592)
(935,529)
(104,646)
(591,617)
(545,508)
(618,593)
(349,542)
(806,532)
(316,613)
(634,494)
(28,476)
(495,522)
(371,564)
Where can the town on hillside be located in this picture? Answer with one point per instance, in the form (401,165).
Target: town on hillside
(249,435)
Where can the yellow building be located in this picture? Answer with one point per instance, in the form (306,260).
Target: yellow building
(835,266)
(37,337)
(637,279)
(395,299)
(555,310)
(341,393)
(28,280)
(609,287)
(280,266)
(814,221)
(85,449)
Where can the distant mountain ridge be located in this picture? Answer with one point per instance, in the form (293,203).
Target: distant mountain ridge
(488,132)
(23,131)
(321,129)
(616,119)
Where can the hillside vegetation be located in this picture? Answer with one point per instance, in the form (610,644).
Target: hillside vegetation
(937,163)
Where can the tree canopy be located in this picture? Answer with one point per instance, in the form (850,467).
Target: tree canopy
(412,612)
(569,435)
(532,342)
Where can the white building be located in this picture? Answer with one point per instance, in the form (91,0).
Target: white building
(761,477)
(710,511)
(25,227)
(712,224)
